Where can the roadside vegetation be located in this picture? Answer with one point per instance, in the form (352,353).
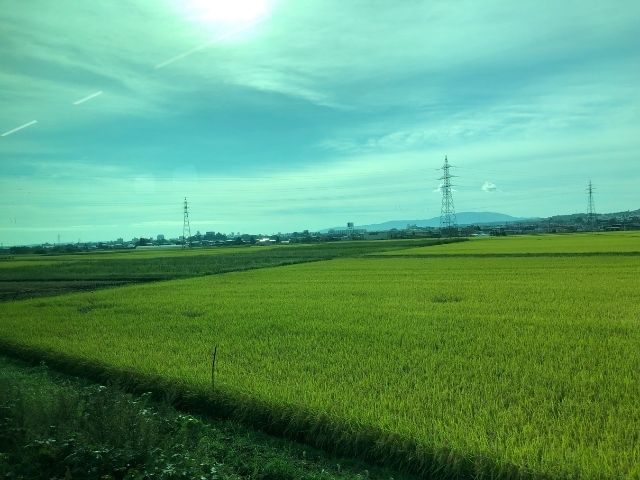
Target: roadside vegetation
(58,427)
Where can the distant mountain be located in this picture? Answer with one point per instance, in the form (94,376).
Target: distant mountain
(464,218)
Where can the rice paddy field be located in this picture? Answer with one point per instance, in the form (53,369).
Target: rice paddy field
(471,366)
(25,276)
(576,243)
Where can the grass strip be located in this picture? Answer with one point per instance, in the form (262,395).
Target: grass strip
(56,426)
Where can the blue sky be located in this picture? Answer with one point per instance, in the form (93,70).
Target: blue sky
(282,115)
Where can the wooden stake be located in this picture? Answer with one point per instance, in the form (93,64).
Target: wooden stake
(213,367)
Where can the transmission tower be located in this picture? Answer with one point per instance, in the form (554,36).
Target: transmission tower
(186,229)
(448,221)
(591,209)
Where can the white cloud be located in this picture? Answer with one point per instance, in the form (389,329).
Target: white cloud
(488,186)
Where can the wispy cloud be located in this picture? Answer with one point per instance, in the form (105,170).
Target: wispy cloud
(88,97)
(17,129)
(537,111)
(282,82)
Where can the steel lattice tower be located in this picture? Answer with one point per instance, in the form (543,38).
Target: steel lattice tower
(448,221)
(186,229)
(591,209)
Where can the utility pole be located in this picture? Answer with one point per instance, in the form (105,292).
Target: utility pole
(186,229)
(448,221)
(591,209)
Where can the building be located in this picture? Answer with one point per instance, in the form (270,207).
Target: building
(265,241)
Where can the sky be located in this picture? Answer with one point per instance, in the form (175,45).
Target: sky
(284,115)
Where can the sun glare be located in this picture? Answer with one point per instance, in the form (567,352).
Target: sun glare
(227,11)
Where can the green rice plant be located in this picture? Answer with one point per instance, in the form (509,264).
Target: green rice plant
(176,263)
(31,275)
(613,243)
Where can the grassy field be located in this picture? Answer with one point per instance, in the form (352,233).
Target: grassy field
(609,243)
(55,426)
(497,367)
(125,254)
(37,275)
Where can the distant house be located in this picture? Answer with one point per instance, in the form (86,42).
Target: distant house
(265,241)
